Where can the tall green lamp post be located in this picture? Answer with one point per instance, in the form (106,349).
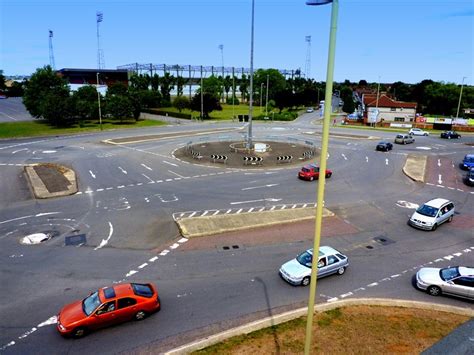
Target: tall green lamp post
(322,177)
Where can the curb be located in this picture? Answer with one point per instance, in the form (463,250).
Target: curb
(415,167)
(209,225)
(300,312)
(39,188)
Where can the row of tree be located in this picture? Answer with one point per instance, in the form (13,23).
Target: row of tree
(48,96)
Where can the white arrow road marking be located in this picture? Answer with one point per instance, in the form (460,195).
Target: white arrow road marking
(439,162)
(345,158)
(105,241)
(92,174)
(19,150)
(123,171)
(439,179)
(259,187)
(407,204)
(167,162)
(147,167)
(251,201)
(366,159)
(386,161)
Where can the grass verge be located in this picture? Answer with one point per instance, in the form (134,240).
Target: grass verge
(352,329)
(41,128)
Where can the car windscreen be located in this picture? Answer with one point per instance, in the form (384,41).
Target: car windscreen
(305,259)
(426,210)
(449,273)
(305,170)
(399,136)
(142,290)
(469,159)
(90,303)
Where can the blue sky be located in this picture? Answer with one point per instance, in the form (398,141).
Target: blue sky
(406,40)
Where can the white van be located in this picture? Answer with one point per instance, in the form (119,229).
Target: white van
(433,213)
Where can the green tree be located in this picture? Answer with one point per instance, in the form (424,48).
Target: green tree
(181,102)
(140,82)
(85,101)
(2,82)
(227,86)
(210,103)
(16,89)
(180,82)
(243,87)
(166,85)
(58,111)
(346,96)
(212,86)
(45,83)
(401,91)
(119,107)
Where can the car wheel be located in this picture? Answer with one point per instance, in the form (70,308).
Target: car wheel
(305,281)
(426,134)
(79,332)
(341,270)
(434,227)
(450,218)
(140,315)
(328,175)
(311,178)
(434,290)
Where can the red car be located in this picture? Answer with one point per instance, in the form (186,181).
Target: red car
(311,172)
(107,306)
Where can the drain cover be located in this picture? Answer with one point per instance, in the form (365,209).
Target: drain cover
(79,239)
(384,240)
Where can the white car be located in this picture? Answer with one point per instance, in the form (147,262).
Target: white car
(298,270)
(309,110)
(418,132)
(457,281)
(433,213)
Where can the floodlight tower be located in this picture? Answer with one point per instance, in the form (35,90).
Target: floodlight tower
(51,53)
(221,47)
(100,52)
(307,68)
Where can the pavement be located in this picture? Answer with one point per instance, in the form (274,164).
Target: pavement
(53,180)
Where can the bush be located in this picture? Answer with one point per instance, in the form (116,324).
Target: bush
(229,101)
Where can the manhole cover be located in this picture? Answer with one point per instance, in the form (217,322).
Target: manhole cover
(384,240)
(79,239)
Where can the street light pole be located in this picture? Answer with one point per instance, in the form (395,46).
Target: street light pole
(322,177)
(377,102)
(261,97)
(98,100)
(266,100)
(460,95)
(249,138)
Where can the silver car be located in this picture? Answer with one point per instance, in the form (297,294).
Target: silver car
(298,270)
(404,139)
(433,213)
(456,280)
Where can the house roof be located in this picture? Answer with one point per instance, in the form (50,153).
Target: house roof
(370,100)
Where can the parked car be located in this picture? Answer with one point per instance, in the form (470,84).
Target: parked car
(298,270)
(450,134)
(107,306)
(468,162)
(311,172)
(433,213)
(456,280)
(309,109)
(384,146)
(469,178)
(404,139)
(418,132)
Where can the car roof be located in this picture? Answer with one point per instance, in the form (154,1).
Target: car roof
(469,156)
(327,250)
(118,291)
(437,202)
(466,271)
(311,165)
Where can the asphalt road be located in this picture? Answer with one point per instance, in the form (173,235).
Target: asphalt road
(129,195)
(13,110)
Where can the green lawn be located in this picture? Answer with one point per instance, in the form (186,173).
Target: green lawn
(41,128)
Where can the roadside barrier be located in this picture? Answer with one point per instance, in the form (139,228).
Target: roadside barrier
(253,160)
(219,158)
(196,155)
(284,159)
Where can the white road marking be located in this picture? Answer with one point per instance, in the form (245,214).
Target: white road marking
(49,321)
(439,162)
(407,204)
(19,150)
(332,299)
(123,170)
(259,187)
(366,159)
(92,174)
(251,201)
(174,246)
(30,216)
(167,162)
(164,252)
(147,167)
(386,161)
(152,260)
(105,241)
(172,172)
(130,273)
(143,265)
(183,240)
(439,179)
(343,155)
(48,151)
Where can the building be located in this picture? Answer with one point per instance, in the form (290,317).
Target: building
(386,111)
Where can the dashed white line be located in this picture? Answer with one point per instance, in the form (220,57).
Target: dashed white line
(92,174)
(152,260)
(130,273)
(167,162)
(123,170)
(143,265)
(146,167)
